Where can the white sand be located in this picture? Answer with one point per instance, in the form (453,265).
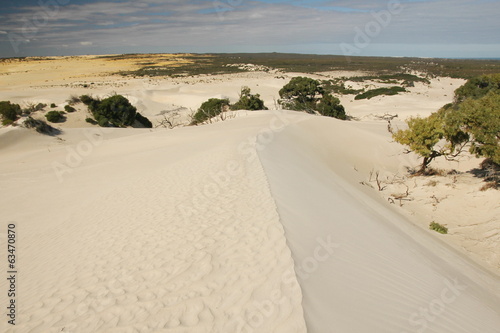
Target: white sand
(256,224)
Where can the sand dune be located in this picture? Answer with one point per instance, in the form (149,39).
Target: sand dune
(255,224)
(267,222)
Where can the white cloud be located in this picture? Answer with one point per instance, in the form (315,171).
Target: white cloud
(181,24)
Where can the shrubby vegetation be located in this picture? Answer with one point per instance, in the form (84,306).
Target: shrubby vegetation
(330,106)
(473,121)
(380,91)
(209,109)
(210,64)
(9,112)
(69,108)
(55,116)
(40,126)
(249,101)
(114,111)
(438,228)
(306,94)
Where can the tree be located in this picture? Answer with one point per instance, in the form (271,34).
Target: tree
(472,119)
(301,94)
(478,87)
(422,136)
(249,101)
(209,109)
(479,119)
(330,106)
(9,112)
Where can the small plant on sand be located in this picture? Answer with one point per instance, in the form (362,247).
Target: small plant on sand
(91,121)
(53,105)
(9,112)
(438,228)
(248,101)
(210,109)
(55,116)
(69,108)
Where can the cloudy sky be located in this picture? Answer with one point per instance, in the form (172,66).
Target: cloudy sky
(423,28)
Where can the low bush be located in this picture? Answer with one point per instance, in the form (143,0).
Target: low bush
(53,105)
(248,101)
(55,116)
(9,112)
(330,106)
(91,121)
(69,108)
(209,109)
(438,228)
(380,91)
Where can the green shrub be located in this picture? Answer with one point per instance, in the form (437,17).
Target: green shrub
(380,91)
(69,108)
(249,101)
(91,121)
(9,112)
(114,111)
(55,116)
(478,87)
(305,94)
(301,94)
(53,105)
(330,106)
(117,109)
(438,228)
(143,120)
(209,109)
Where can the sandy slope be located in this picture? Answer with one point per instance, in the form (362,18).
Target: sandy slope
(146,234)
(184,231)
(378,273)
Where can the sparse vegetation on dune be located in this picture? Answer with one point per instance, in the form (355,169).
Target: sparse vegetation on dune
(385,68)
(380,92)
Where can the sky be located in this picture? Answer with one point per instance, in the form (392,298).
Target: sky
(419,28)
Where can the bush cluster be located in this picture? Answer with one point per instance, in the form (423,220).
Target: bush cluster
(114,111)
(9,112)
(248,101)
(55,116)
(306,94)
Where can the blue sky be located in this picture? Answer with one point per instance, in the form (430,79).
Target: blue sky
(422,28)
